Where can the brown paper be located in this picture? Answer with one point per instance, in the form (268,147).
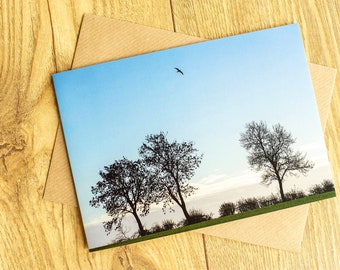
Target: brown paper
(102,40)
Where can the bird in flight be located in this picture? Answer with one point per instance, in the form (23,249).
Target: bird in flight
(179,71)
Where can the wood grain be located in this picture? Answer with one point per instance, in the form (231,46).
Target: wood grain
(27,111)
(38,38)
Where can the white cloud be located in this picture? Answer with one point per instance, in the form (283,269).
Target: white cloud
(217,182)
(98,220)
(316,152)
(313,146)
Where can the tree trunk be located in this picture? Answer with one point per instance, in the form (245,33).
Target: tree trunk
(184,208)
(281,190)
(141,230)
(185,211)
(181,204)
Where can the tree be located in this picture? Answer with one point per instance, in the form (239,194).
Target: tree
(269,200)
(294,194)
(124,189)
(271,151)
(227,209)
(167,224)
(173,164)
(196,216)
(244,205)
(325,186)
(316,189)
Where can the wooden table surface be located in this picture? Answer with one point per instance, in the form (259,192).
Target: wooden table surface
(38,38)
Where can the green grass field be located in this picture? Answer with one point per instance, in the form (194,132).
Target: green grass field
(215,221)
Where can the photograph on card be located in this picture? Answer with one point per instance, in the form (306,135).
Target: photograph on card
(194,136)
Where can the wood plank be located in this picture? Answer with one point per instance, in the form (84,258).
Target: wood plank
(320,29)
(27,127)
(38,234)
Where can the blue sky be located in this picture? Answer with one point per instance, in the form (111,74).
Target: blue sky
(108,109)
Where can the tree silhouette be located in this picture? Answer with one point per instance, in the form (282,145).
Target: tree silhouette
(173,164)
(125,189)
(271,151)
(227,209)
(247,204)
(325,186)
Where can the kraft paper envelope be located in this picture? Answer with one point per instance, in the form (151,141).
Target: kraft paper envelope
(101,40)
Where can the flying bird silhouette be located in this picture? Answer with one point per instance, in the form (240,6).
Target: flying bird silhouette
(179,71)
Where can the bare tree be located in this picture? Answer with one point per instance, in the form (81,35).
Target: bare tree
(173,165)
(271,151)
(125,189)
